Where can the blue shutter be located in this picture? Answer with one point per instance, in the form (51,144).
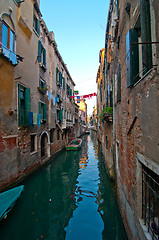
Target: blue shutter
(39,51)
(19,106)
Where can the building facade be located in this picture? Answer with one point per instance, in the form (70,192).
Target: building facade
(132,70)
(36,111)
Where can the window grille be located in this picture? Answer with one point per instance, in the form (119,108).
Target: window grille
(150,201)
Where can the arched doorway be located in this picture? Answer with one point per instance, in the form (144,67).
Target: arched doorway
(44,144)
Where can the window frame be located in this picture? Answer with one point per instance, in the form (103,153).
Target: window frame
(35,143)
(9,29)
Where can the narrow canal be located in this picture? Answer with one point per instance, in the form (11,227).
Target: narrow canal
(71,198)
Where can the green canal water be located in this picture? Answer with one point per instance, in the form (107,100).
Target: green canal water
(71,198)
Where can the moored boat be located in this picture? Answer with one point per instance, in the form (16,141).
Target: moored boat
(74,144)
(8,199)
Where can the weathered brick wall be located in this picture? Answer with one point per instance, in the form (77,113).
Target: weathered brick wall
(138,104)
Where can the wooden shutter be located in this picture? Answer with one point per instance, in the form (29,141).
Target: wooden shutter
(27,105)
(63,83)
(44,57)
(145,21)
(61,115)
(132,57)
(70,92)
(38,27)
(60,78)
(118,83)
(19,106)
(39,51)
(45,113)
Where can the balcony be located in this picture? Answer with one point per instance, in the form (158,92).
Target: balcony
(10,55)
(67,123)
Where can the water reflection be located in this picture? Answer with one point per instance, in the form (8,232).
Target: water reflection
(71,198)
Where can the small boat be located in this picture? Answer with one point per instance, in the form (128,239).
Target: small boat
(74,144)
(8,199)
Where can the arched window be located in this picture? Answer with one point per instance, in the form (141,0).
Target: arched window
(7,37)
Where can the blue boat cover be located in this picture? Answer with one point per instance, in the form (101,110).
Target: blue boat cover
(8,199)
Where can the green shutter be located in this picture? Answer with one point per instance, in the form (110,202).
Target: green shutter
(61,115)
(27,105)
(45,113)
(118,83)
(70,92)
(60,78)
(63,83)
(145,21)
(132,57)
(44,57)
(39,51)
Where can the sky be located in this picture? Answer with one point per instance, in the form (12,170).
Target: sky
(79,29)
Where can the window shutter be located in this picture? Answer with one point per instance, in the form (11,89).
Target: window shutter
(145,21)
(19,106)
(44,57)
(70,92)
(132,57)
(38,27)
(39,51)
(118,83)
(60,78)
(45,113)
(61,115)
(63,83)
(27,105)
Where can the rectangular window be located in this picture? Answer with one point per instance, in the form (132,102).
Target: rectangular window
(58,134)
(42,110)
(68,90)
(51,135)
(150,201)
(41,54)
(145,21)
(23,105)
(132,57)
(63,83)
(36,24)
(7,42)
(57,76)
(33,142)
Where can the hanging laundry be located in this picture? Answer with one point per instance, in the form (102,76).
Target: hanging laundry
(39,119)
(35,118)
(30,118)
(78,99)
